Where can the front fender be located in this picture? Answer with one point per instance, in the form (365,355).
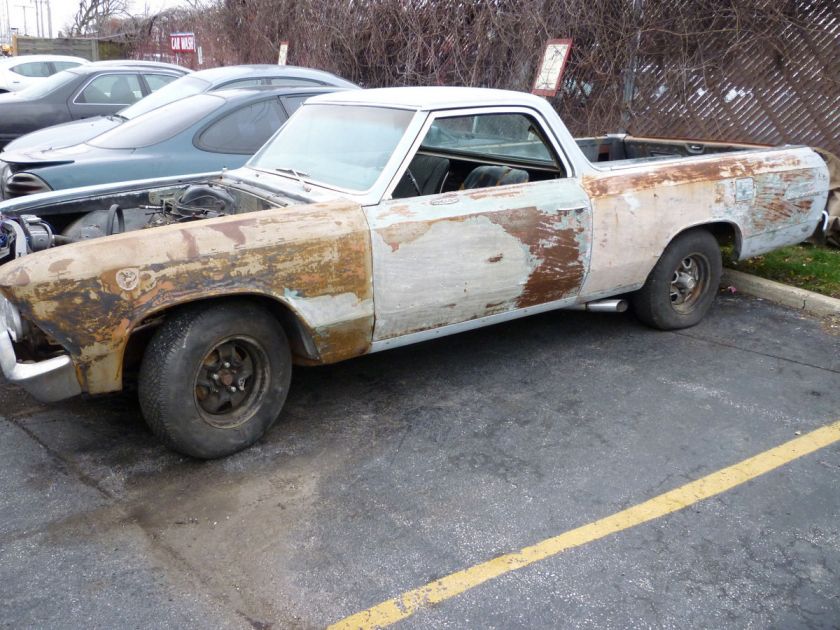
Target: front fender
(90,296)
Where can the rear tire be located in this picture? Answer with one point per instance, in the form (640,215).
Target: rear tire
(682,286)
(214,378)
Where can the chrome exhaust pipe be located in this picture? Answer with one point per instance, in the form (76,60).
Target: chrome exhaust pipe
(603,306)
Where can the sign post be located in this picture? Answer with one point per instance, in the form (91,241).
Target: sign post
(283,54)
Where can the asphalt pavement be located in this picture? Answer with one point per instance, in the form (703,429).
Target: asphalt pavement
(390,471)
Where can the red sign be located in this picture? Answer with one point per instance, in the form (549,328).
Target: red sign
(182,42)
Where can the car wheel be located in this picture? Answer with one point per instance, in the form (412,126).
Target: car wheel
(214,378)
(682,286)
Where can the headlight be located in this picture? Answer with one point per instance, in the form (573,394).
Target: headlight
(10,319)
(20,184)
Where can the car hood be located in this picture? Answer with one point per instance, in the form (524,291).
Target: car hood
(63,135)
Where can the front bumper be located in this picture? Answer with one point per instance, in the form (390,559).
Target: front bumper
(48,381)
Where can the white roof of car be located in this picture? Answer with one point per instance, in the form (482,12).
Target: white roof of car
(431,98)
(13,61)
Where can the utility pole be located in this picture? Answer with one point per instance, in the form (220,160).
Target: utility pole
(24,7)
(37,19)
(49,18)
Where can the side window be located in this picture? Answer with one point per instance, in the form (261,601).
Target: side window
(275,81)
(244,130)
(157,81)
(292,103)
(241,83)
(64,65)
(32,69)
(112,89)
(479,151)
(291,82)
(496,136)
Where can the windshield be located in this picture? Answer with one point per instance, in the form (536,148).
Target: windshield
(159,125)
(178,89)
(338,145)
(45,86)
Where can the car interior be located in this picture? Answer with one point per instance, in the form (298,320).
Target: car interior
(483,151)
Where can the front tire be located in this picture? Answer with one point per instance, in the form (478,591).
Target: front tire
(214,378)
(683,284)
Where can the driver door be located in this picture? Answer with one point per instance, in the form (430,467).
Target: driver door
(486,222)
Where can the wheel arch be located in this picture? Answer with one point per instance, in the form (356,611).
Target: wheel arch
(300,336)
(725,232)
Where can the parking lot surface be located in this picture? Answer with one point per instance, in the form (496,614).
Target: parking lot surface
(390,471)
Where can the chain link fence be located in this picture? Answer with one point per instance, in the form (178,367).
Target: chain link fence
(763,71)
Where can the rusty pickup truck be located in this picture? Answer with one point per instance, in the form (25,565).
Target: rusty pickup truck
(371,220)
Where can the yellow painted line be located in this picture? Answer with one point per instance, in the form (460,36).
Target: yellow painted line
(405,605)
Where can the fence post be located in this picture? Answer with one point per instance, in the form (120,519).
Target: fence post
(631,69)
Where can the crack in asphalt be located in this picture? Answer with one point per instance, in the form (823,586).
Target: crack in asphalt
(733,346)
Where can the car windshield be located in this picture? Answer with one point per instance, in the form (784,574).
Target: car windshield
(337,145)
(175,91)
(48,85)
(160,124)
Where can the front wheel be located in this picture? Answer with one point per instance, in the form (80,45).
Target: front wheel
(682,286)
(214,378)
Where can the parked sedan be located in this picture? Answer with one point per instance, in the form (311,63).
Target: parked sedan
(17,73)
(226,77)
(93,89)
(198,134)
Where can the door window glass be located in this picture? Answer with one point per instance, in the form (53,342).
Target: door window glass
(494,136)
(112,89)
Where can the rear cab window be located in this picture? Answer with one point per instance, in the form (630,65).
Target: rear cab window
(33,69)
(244,130)
(160,124)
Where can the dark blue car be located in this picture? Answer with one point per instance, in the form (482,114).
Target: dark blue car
(199,134)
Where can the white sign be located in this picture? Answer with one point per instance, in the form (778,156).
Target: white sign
(551,68)
(284,54)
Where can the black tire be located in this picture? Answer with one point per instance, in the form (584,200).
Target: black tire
(192,362)
(682,286)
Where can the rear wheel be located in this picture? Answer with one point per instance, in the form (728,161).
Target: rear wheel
(214,378)
(683,284)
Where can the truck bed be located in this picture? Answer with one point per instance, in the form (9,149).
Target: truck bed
(629,149)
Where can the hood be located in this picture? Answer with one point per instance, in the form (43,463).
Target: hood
(63,135)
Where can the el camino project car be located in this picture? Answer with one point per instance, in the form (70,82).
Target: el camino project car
(371,220)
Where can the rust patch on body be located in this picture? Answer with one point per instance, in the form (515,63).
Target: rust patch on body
(280,253)
(492,193)
(399,233)
(233,231)
(401,210)
(60,266)
(618,182)
(559,270)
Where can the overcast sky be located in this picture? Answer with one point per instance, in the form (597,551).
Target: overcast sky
(63,11)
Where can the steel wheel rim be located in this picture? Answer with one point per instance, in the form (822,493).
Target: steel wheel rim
(689,282)
(231,382)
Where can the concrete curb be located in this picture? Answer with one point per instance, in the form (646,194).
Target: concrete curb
(807,301)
